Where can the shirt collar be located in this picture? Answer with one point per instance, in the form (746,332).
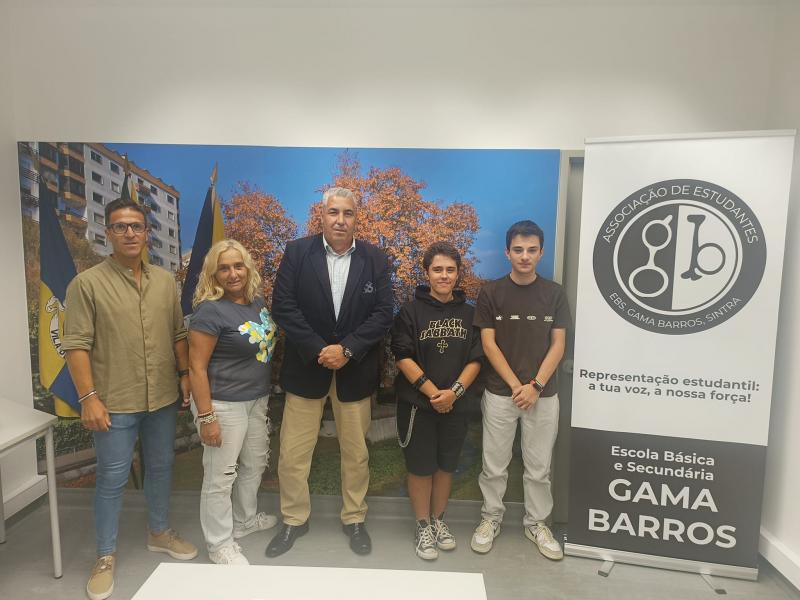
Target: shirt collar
(110,260)
(329,249)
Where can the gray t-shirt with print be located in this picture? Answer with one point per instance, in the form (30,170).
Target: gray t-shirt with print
(239,368)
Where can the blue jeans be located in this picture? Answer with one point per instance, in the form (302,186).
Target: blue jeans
(114,450)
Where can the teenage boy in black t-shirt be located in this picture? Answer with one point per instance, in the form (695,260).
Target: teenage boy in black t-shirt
(523,319)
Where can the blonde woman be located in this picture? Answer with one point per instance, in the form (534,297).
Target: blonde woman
(231,340)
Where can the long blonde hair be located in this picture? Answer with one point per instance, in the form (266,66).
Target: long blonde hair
(207,286)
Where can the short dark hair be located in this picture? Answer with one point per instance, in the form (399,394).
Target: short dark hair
(524,228)
(443,249)
(121,203)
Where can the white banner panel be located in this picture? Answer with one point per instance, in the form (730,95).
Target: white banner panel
(681,259)
(707,333)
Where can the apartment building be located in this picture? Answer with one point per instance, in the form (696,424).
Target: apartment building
(88,176)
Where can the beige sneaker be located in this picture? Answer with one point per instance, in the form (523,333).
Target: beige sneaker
(101,581)
(170,542)
(541,535)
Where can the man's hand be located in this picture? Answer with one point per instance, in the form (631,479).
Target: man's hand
(210,434)
(186,391)
(524,396)
(442,401)
(94,414)
(332,357)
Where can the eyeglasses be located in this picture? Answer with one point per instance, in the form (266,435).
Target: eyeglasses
(121,228)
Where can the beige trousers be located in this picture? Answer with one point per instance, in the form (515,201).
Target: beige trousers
(299,433)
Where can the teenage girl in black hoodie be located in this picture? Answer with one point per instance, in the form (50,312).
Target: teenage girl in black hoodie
(438,354)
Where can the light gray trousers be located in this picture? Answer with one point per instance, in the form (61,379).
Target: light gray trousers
(539,426)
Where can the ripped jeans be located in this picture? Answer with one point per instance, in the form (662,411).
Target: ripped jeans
(232,473)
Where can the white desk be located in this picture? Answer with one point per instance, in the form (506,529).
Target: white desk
(182,581)
(19,424)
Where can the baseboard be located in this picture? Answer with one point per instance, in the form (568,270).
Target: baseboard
(17,499)
(780,556)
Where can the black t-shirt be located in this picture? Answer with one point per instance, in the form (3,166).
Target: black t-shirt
(440,338)
(239,368)
(522,317)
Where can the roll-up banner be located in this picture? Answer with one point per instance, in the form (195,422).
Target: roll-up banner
(681,258)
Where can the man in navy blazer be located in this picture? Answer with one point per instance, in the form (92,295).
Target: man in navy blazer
(333,299)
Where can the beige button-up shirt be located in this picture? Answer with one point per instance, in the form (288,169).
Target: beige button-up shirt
(130,334)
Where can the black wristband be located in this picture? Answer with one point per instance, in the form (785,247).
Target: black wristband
(183,372)
(420,382)
(537,386)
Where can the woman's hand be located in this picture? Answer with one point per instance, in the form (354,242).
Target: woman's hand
(210,434)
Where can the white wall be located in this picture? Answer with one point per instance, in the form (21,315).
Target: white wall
(442,73)
(780,526)
(21,484)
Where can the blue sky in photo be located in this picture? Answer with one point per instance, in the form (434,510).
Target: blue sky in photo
(504,186)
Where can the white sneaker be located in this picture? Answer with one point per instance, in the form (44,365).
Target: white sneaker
(484,536)
(541,535)
(426,542)
(229,555)
(261,522)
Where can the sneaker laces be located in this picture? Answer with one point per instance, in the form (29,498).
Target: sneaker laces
(229,553)
(261,520)
(442,530)
(485,529)
(104,563)
(543,535)
(425,537)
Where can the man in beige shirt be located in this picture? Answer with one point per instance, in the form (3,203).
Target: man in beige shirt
(126,349)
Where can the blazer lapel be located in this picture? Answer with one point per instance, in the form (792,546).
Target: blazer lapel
(353,277)
(321,269)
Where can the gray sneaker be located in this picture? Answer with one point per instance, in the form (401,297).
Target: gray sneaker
(484,535)
(425,541)
(444,539)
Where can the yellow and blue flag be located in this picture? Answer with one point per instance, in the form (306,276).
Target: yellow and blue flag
(210,230)
(129,193)
(57,270)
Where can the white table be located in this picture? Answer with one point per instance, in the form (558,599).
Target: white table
(19,424)
(182,581)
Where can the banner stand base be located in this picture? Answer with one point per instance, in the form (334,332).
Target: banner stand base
(712,583)
(661,562)
(605,568)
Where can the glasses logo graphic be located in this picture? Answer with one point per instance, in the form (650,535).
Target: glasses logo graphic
(679,256)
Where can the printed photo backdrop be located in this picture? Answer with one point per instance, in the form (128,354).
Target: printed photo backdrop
(409,198)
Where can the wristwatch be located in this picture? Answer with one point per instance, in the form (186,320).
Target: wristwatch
(347,352)
(537,386)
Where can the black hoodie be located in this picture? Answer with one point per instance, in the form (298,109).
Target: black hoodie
(440,338)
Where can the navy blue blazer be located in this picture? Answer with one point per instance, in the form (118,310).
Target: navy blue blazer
(302,305)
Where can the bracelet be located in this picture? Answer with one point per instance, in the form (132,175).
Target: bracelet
(85,396)
(537,386)
(458,389)
(420,382)
(183,372)
(207,418)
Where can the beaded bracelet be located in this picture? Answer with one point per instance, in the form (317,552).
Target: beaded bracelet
(206,418)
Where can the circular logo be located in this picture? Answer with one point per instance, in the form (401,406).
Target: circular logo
(679,256)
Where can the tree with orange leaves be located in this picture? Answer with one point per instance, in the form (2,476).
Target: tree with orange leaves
(260,223)
(393,215)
